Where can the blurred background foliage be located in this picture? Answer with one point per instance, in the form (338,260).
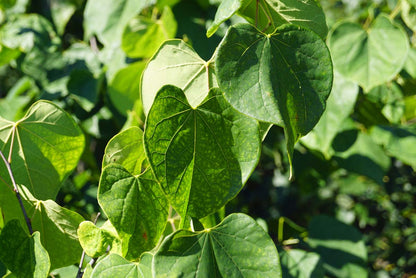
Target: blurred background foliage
(356,167)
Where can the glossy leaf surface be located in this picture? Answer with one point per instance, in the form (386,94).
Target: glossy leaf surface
(116,266)
(202,156)
(135,205)
(176,63)
(237,247)
(372,59)
(45,147)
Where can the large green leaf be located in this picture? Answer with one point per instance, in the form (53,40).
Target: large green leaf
(237,247)
(135,205)
(283,78)
(126,149)
(22,254)
(58,232)
(302,264)
(340,246)
(115,266)
(143,36)
(201,156)
(108,18)
(269,14)
(45,147)
(372,59)
(176,63)
(398,142)
(338,107)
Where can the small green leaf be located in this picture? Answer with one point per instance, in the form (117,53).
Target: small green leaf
(8,54)
(270,14)
(409,14)
(136,207)
(95,241)
(202,157)
(299,263)
(340,246)
(108,18)
(176,63)
(143,36)
(126,149)
(45,147)
(23,255)
(283,78)
(237,247)
(372,59)
(62,11)
(58,232)
(115,266)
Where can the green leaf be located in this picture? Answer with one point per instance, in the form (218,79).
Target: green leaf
(201,156)
(340,246)
(372,59)
(283,78)
(95,240)
(339,105)
(398,142)
(176,63)
(237,247)
(62,11)
(58,232)
(23,255)
(8,54)
(270,14)
(136,207)
(299,263)
(115,266)
(124,87)
(409,14)
(126,149)
(84,88)
(143,36)
(45,147)
(108,18)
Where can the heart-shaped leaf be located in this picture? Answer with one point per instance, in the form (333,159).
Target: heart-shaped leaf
(202,156)
(237,247)
(283,78)
(44,148)
(269,14)
(372,59)
(176,63)
(22,254)
(135,205)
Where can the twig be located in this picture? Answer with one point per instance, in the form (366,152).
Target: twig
(16,191)
(81,262)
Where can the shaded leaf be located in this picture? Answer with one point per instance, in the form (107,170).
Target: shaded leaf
(372,59)
(237,247)
(202,157)
(136,207)
(176,63)
(302,264)
(143,36)
(283,78)
(22,254)
(340,246)
(45,147)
